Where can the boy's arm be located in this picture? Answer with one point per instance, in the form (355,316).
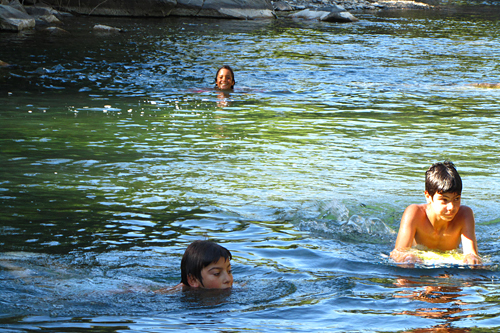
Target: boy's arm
(469,243)
(406,235)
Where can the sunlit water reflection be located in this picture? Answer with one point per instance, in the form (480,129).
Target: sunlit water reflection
(117,153)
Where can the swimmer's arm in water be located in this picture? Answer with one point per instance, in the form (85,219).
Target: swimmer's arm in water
(406,235)
(468,235)
(168,290)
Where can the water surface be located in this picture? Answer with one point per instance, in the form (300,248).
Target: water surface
(116,153)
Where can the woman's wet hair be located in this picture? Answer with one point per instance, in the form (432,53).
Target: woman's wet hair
(229,69)
(441,178)
(199,255)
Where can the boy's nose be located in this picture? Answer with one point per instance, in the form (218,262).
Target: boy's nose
(227,278)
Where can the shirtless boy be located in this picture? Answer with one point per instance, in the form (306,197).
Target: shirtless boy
(442,223)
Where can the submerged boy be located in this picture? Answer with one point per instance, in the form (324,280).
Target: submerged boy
(442,223)
(206,264)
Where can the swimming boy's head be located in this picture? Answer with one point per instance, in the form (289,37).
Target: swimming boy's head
(207,265)
(224,79)
(442,178)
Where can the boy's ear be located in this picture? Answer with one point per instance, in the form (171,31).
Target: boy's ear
(193,282)
(428,197)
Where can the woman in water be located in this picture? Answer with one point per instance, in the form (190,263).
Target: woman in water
(224,79)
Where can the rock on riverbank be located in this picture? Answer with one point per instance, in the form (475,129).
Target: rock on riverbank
(15,17)
(239,9)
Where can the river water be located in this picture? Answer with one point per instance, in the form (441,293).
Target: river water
(116,153)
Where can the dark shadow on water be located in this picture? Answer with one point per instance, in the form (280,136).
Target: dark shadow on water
(196,298)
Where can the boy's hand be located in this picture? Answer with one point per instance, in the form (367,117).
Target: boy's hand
(405,257)
(411,259)
(472,259)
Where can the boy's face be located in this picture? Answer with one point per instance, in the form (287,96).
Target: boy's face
(445,205)
(217,275)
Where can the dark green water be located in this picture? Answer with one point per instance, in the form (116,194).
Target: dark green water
(116,153)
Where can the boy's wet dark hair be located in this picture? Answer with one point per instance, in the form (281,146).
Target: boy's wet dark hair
(441,178)
(199,255)
(229,69)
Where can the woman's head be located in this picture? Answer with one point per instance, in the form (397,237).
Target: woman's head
(224,79)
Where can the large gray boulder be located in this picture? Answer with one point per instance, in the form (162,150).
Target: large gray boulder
(328,14)
(43,14)
(240,9)
(154,8)
(13,19)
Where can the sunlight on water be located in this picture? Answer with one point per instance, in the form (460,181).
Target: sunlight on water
(117,153)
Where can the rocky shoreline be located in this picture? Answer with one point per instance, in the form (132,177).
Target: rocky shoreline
(17,16)
(350,5)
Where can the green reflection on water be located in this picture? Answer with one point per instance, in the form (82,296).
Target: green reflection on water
(108,141)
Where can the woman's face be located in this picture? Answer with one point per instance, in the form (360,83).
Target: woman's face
(225,79)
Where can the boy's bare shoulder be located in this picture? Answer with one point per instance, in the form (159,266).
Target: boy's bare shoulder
(465,209)
(416,210)
(465,213)
(414,215)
